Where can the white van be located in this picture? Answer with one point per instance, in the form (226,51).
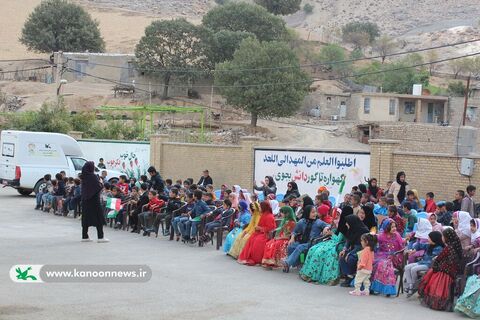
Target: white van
(28,156)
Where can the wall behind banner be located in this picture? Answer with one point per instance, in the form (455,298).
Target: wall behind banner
(338,171)
(130,158)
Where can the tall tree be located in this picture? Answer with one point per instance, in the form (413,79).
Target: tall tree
(277,86)
(384,46)
(171,48)
(431,58)
(58,25)
(224,43)
(331,55)
(246,17)
(360,34)
(280,7)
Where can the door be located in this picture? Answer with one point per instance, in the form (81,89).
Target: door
(7,160)
(430,114)
(78,164)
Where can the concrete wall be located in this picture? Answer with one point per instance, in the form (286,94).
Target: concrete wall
(435,172)
(329,104)
(379,108)
(227,164)
(455,108)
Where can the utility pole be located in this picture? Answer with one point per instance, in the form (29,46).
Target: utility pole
(467,90)
(58,76)
(150,92)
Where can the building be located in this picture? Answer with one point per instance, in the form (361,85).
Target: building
(392,107)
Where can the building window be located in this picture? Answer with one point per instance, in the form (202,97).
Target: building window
(392,106)
(409,107)
(366,105)
(131,69)
(471,113)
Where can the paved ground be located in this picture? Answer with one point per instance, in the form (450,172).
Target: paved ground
(187,283)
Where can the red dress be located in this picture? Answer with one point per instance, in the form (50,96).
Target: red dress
(435,288)
(252,253)
(276,249)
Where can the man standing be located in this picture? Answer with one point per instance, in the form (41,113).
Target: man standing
(101,165)
(156,181)
(468,204)
(205,180)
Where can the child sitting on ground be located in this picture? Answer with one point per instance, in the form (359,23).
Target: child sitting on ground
(364,265)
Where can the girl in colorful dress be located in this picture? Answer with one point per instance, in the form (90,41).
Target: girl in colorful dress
(276,249)
(254,249)
(242,222)
(435,287)
(389,242)
(365,265)
(321,265)
(242,238)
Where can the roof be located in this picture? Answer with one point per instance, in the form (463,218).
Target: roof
(101,54)
(402,96)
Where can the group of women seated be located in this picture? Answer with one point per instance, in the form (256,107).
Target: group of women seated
(327,248)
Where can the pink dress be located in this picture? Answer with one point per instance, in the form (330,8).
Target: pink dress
(384,280)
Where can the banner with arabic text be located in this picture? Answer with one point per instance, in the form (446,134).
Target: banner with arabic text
(339,172)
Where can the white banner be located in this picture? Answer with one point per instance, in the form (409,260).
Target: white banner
(130,158)
(339,172)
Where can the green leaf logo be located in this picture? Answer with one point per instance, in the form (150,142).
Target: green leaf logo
(23,275)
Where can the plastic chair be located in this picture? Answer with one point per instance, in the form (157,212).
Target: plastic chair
(422,202)
(280,197)
(261,197)
(422,215)
(218,194)
(332,200)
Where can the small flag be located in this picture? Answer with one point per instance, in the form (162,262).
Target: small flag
(114,204)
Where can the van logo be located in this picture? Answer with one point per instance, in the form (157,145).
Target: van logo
(47,146)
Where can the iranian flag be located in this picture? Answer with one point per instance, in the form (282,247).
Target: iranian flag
(114,204)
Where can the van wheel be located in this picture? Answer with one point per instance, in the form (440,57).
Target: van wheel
(39,186)
(25,192)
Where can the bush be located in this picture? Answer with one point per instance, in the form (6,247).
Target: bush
(456,89)
(308,8)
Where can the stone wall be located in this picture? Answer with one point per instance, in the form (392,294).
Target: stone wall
(435,172)
(227,164)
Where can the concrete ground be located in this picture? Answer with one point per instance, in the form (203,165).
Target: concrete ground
(188,282)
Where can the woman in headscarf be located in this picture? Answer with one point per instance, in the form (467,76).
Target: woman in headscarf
(276,249)
(241,223)
(399,188)
(272,199)
(348,256)
(245,195)
(254,249)
(243,237)
(419,237)
(373,191)
(223,188)
(432,217)
(233,197)
(389,242)
(368,218)
(92,210)
(268,186)
(321,265)
(416,198)
(305,202)
(435,287)
(292,192)
(461,224)
(236,189)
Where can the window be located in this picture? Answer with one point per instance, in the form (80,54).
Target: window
(131,70)
(80,68)
(471,113)
(409,107)
(366,105)
(78,163)
(8,150)
(392,106)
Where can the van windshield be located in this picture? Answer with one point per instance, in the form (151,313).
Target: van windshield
(78,163)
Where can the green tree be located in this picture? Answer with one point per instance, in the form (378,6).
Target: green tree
(308,8)
(248,18)
(333,53)
(276,90)
(224,43)
(384,46)
(280,7)
(171,48)
(456,89)
(360,34)
(58,25)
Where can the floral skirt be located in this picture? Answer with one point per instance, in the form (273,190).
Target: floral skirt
(469,301)
(435,290)
(321,264)
(275,252)
(384,280)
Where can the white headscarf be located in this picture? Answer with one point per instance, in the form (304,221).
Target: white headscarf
(476,235)
(464,222)
(237,189)
(275,206)
(247,195)
(424,227)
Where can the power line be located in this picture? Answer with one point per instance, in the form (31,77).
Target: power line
(293,82)
(187,70)
(24,60)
